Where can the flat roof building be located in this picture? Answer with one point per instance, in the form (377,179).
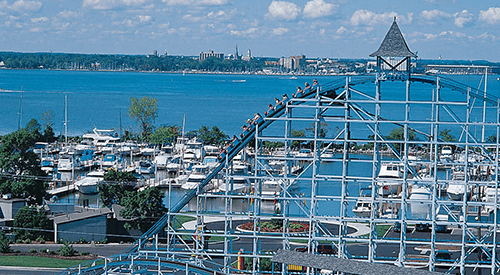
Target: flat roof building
(210,53)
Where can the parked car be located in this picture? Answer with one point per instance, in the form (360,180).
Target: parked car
(443,255)
(321,248)
(422,227)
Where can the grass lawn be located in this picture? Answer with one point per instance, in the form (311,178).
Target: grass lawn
(33,261)
(179,220)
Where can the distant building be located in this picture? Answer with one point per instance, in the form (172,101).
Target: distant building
(248,57)
(296,63)
(210,53)
(236,54)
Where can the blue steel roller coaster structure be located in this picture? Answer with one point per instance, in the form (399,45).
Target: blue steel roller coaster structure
(148,256)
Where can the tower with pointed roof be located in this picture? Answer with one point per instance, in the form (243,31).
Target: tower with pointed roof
(393,55)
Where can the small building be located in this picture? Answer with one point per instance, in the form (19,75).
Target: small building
(10,207)
(85,223)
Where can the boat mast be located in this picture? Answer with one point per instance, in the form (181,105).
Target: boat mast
(66,117)
(182,145)
(120,131)
(20,122)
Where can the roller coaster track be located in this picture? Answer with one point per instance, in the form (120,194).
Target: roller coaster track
(261,123)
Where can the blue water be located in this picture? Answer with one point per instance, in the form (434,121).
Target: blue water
(96,98)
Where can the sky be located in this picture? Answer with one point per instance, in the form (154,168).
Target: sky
(450,29)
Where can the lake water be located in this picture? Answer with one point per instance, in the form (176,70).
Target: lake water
(95,99)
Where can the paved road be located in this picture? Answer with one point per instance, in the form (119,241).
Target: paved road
(15,270)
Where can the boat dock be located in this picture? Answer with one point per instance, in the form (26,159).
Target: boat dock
(63,190)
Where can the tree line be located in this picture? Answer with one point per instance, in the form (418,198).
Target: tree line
(67,61)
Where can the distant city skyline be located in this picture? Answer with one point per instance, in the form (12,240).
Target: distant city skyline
(451,29)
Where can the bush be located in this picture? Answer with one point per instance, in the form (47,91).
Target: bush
(104,240)
(40,239)
(44,250)
(85,253)
(19,241)
(31,217)
(60,241)
(67,250)
(33,250)
(51,252)
(4,244)
(81,240)
(27,241)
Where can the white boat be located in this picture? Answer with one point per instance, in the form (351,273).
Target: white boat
(327,154)
(110,148)
(145,167)
(419,206)
(47,165)
(194,147)
(456,187)
(389,179)
(198,174)
(236,184)
(489,196)
(174,165)
(109,161)
(211,150)
(40,148)
(363,207)
(446,155)
(161,161)
(89,184)
(128,148)
(101,138)
(67,165)
(210,161)
(304,153)
(149,151)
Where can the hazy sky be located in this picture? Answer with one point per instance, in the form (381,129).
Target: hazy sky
(454,29)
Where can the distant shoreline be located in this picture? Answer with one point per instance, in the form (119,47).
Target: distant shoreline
(222,73)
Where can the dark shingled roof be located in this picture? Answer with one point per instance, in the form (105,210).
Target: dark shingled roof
(343,265)
(394,44)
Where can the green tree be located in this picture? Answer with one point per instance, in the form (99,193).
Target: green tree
(445,135)
(322,129)
(143,204)
(144,111)
(31,217)
(164,134)
(18,159)
(34,128)
(398,134)
(297,134)
(492,139)
(47,123)
(213,136)
(115,187)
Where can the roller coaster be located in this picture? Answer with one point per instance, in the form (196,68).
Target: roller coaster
(423,148)
(329,184)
